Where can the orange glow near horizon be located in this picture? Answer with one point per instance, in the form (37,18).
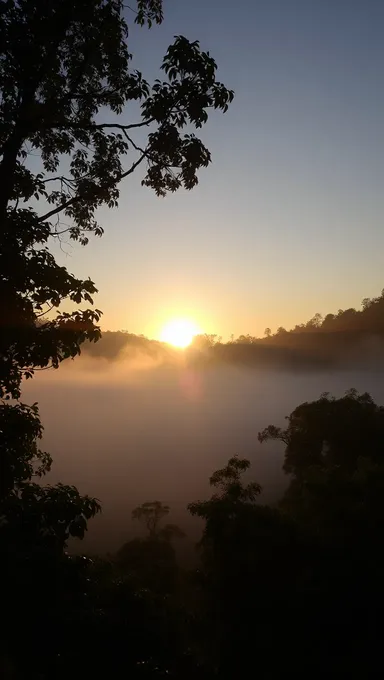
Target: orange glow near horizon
(179,332)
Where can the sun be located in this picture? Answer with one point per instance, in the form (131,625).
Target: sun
(179,332)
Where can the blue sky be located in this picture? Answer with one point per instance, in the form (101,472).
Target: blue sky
(288,219)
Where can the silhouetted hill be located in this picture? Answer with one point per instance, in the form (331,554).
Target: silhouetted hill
(299,351)
(118,345)
(349,338)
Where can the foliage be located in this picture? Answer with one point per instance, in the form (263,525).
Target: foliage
(318,554)
(151,562)
(233,496)
(369,319)
(222,512)
(66,143)
(334,454)
(286,588)
(65,70)
(25,506)
(315,345)
(331,432)
(151,513)
(204,341)
(243,576)
(20,458)
(131,630)
(56,512)
(260,566)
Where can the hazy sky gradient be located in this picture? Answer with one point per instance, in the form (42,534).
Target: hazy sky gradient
(288,219)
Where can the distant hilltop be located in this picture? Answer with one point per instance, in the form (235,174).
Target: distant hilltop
(350,337)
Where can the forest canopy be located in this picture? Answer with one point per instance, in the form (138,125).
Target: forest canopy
(319,342)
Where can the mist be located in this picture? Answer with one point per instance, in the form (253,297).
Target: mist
(137,429)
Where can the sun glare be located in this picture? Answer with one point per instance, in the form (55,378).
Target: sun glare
(179,332)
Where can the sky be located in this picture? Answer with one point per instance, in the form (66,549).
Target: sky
(287,219)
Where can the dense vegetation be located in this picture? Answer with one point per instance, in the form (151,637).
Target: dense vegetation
(67,141)
(350,337)
(292,589)
(284,585)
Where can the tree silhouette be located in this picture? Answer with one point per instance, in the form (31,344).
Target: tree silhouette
(316,344)
(331,432)
(227,512)
(204,341)
(65,81)
(334,456)
(151,513)
(20,457)
(151,562)
(65,66)
(244,578)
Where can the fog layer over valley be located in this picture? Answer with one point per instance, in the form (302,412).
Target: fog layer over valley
(128,431)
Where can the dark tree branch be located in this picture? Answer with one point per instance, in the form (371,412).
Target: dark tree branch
(78,198)
(46,311)
(59,178)
(101,126)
